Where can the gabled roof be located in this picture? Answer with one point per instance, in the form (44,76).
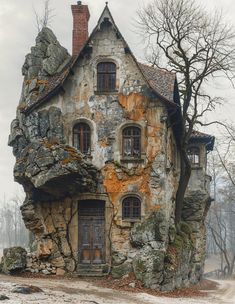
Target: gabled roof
(160,81)
(199,137)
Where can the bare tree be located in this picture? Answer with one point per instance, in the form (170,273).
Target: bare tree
(196,45)
(13,231)
(221,225)
(45,18)
(221,219)
(226,152)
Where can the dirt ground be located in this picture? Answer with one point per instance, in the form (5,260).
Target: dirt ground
(78,291)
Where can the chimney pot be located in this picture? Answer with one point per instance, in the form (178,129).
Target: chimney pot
(79,2)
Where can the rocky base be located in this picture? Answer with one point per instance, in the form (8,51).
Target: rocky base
(34,265)
(166,258)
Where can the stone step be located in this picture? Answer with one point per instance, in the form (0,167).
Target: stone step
(92,270)
(89,274)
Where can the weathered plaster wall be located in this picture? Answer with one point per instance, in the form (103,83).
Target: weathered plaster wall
(154,177)
(56,176)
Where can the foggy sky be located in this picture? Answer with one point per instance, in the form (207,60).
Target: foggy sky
(18,32)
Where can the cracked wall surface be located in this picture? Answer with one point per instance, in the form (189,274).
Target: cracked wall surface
(56,176)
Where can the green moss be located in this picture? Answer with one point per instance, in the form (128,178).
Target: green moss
(139,269)
(117,164)
(119,271)
(185,228)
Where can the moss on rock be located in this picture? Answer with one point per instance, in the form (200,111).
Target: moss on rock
(14,260)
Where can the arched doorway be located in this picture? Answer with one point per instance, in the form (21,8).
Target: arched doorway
(91,231)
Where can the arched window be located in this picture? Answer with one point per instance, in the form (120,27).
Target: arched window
(131,142)
(82,138)
(106,77)
(194,155)
(131,208)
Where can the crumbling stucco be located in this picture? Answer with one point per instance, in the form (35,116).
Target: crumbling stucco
(56,176)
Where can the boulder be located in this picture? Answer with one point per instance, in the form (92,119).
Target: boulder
(14,260)
(26,289)
(152,230)
(3,298)
(121,270)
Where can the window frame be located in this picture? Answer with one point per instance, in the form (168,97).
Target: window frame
(193,153)
(133,137)
(134,211)
(81,137)
(107,84)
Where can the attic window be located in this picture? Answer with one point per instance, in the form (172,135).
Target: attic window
(106,77)
(82,138)
(105,24)
(194,155)
(131,142)
(131,208)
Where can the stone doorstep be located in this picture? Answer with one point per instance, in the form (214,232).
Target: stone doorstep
(88,270)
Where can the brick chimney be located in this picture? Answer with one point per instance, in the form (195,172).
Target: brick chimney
(81,17)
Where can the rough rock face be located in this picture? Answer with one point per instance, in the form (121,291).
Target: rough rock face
(44,165)
(50,171)
(164,258)
(55,176)
(47,58)
(13,260)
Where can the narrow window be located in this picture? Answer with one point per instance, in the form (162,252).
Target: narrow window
(194,155)
(131,208)
(131,142)
(106,77)
(82,138)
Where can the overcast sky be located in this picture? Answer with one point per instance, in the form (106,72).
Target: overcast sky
(17,35)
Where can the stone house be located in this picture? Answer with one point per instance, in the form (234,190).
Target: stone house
(96,145)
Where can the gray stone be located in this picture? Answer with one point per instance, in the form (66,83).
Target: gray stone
(56,56)
(70,264)
(13,260)
(118,258)
(196,205)
(148,267)
(132,285)
(119,271)
(3,297)
(151,230)
(26,289)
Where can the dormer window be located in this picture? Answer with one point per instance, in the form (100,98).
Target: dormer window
(194,156)
(106,77)
(82,138)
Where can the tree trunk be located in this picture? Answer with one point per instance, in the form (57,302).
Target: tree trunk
(185,172)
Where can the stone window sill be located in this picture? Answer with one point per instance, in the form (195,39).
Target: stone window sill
(196,167)
(132,160)
(106,93)
(131,220)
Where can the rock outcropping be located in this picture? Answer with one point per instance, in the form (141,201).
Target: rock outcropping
(50,171)
(56,177)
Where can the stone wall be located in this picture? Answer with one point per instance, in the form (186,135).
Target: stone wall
(55,176)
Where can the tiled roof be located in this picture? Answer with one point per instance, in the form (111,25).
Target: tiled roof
(52,84)
(161,81)
(197,136)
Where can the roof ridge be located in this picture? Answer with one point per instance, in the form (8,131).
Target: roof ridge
(157,68)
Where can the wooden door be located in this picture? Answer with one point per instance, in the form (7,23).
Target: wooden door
(91,232)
